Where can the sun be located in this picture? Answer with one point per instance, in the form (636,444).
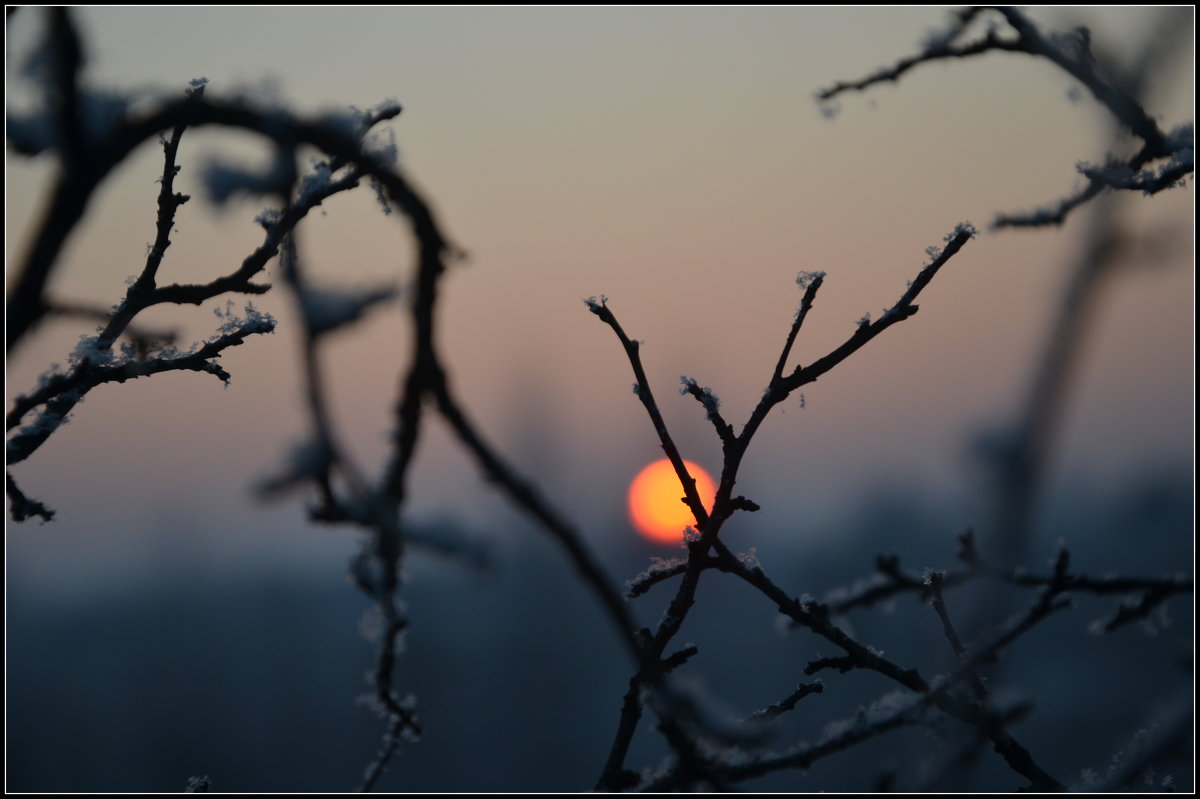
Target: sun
(655,505)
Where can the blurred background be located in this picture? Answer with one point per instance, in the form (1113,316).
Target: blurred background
(167,624)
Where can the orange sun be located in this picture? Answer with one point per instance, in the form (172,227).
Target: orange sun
(655,505)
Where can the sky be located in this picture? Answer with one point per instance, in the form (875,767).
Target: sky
(672,159)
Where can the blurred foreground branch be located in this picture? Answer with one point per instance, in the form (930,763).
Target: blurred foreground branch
(707,749)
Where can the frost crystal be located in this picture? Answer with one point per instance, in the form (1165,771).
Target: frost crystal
(708,399)
(195,87)
(381,145)
(596,305)
(315,183)
(658,567)
(959,229)
(91,351)
(49,420)
(198,784)
(255,321)
(1166,175)
(371,625)
(749,558)
(805,279)
(54,371)
(381,196)
(269,217)
(690,535)
(1182,137)
(355,122)
(865,320)
(934,252)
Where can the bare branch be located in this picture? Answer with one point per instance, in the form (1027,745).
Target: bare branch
(788,703)
(1071,52)
(867,330)
(811,283)
(646,395)
(22,507)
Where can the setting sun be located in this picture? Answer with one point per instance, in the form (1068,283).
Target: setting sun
(655,505)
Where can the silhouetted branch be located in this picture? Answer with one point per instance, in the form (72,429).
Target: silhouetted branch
(22,507)
(1072,53)
(391,744)
(339,138)
(734,447)
(712,404)
(890,712)
(660,569)
(526,497)
(143,339)
(811,283)
(867,330)
(707,750)
(95,363)
(646,395)
(891,580)
(789,702)
(61,395)
(1167,736)
(936,579)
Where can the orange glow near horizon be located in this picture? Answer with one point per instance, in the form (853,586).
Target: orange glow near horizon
(655,505)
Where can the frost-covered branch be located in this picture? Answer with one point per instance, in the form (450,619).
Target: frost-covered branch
(1167,736)
(526,497)
(142,338)
(1180,163)
(810,283)
(901,310)
(734,447)
(660,570)
(789,702)
(646,395)
(1071,52)
(712,407)
(95,363)
(1142,595)
(23,507)
(93,133)
(935,579)
(27,302)
(816,618)
(61,394)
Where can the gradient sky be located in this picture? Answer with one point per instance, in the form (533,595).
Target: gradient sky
(672,159)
